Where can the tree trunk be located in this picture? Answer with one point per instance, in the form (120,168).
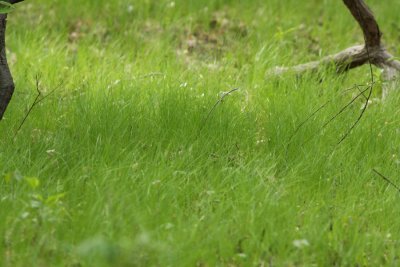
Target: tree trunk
(6,80)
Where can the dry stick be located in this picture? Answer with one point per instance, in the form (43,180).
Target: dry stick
(308,118)
(215,106)
(372,52)
(386,179)
(39,93)
(370,38)
(359,117)
(322,107)
(344,108)
(315,112)
(51,92)
(335,116)
(369,88)
(358,87)
(35,102)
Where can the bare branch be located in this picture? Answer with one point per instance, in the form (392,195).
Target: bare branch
(215,106)
(386,180)
(349,58)
(372,51)
(39,98)
(366,20)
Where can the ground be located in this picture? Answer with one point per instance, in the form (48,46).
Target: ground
(127,163)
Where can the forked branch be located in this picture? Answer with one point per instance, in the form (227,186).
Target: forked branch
(372,51)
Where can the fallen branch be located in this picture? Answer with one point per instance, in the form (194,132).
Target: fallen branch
(372,51)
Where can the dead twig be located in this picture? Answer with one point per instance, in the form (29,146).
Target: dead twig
(38,99)
(215,106)
(371,52)
(386,179)
(316,111)
(369,89)
(359,117)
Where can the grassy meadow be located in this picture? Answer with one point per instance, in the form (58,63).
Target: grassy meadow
(125,162)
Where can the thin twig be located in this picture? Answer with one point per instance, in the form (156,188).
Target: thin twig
(215,106)
(51,92)
(35,102)
(359,117)
(358,87)
(367,98)
(315,112)
(335,116)
(39,93)
(386,179)
(344,108)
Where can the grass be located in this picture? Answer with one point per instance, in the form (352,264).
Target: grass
(119,167)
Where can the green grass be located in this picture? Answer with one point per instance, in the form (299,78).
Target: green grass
(120,167)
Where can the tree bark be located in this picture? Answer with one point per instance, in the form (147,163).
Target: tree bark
(372,51)
(366,20)
(6,80)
